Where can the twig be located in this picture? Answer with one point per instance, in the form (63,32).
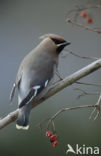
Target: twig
(83,26)
(83,57)
(79,9)
(39,125)
(97,109)
(84,93)
(51,120)
(55,89)
(58,75)
(90,84)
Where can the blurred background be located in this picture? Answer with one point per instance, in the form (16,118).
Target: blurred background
(21,24)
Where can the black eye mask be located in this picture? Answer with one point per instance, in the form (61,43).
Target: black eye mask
(57,41)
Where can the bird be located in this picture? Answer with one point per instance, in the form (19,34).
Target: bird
(35,75)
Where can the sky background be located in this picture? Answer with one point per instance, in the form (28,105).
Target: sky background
(21,24)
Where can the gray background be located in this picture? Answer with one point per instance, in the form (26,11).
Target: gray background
(21,23)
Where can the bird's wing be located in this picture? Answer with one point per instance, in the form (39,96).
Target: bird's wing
(12,92)
(39,79)
(34,91)
(18,79)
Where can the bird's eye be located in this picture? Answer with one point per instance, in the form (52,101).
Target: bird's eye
(56,41)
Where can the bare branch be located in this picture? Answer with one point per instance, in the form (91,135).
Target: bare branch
(8,119)
(51,120)
(83,57)
(83,26)
(97,109)
(84,93)
(78,9)
(89,84)
(55,89)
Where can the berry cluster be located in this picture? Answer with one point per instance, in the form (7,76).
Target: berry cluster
(84,14)
(52,137)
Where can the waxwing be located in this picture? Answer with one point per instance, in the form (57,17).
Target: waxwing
(35,75)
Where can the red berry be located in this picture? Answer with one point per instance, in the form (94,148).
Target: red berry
(48,133)
(89,20)
(68,20)
(53,137)
(83,14)
(55,143)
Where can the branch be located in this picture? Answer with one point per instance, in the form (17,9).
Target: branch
(74,54)
(97,109)
(51,120)
(55,89)
(89,84)
(78,9)
(84,93)
(83,26)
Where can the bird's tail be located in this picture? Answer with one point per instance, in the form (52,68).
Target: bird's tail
(23,117)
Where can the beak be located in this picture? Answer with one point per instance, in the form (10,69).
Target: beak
(61,46)
(67,43)
(64,44)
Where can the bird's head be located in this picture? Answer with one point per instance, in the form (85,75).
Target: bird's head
(58,41)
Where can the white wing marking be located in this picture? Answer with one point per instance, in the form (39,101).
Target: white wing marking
(35,88)
(46,83)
